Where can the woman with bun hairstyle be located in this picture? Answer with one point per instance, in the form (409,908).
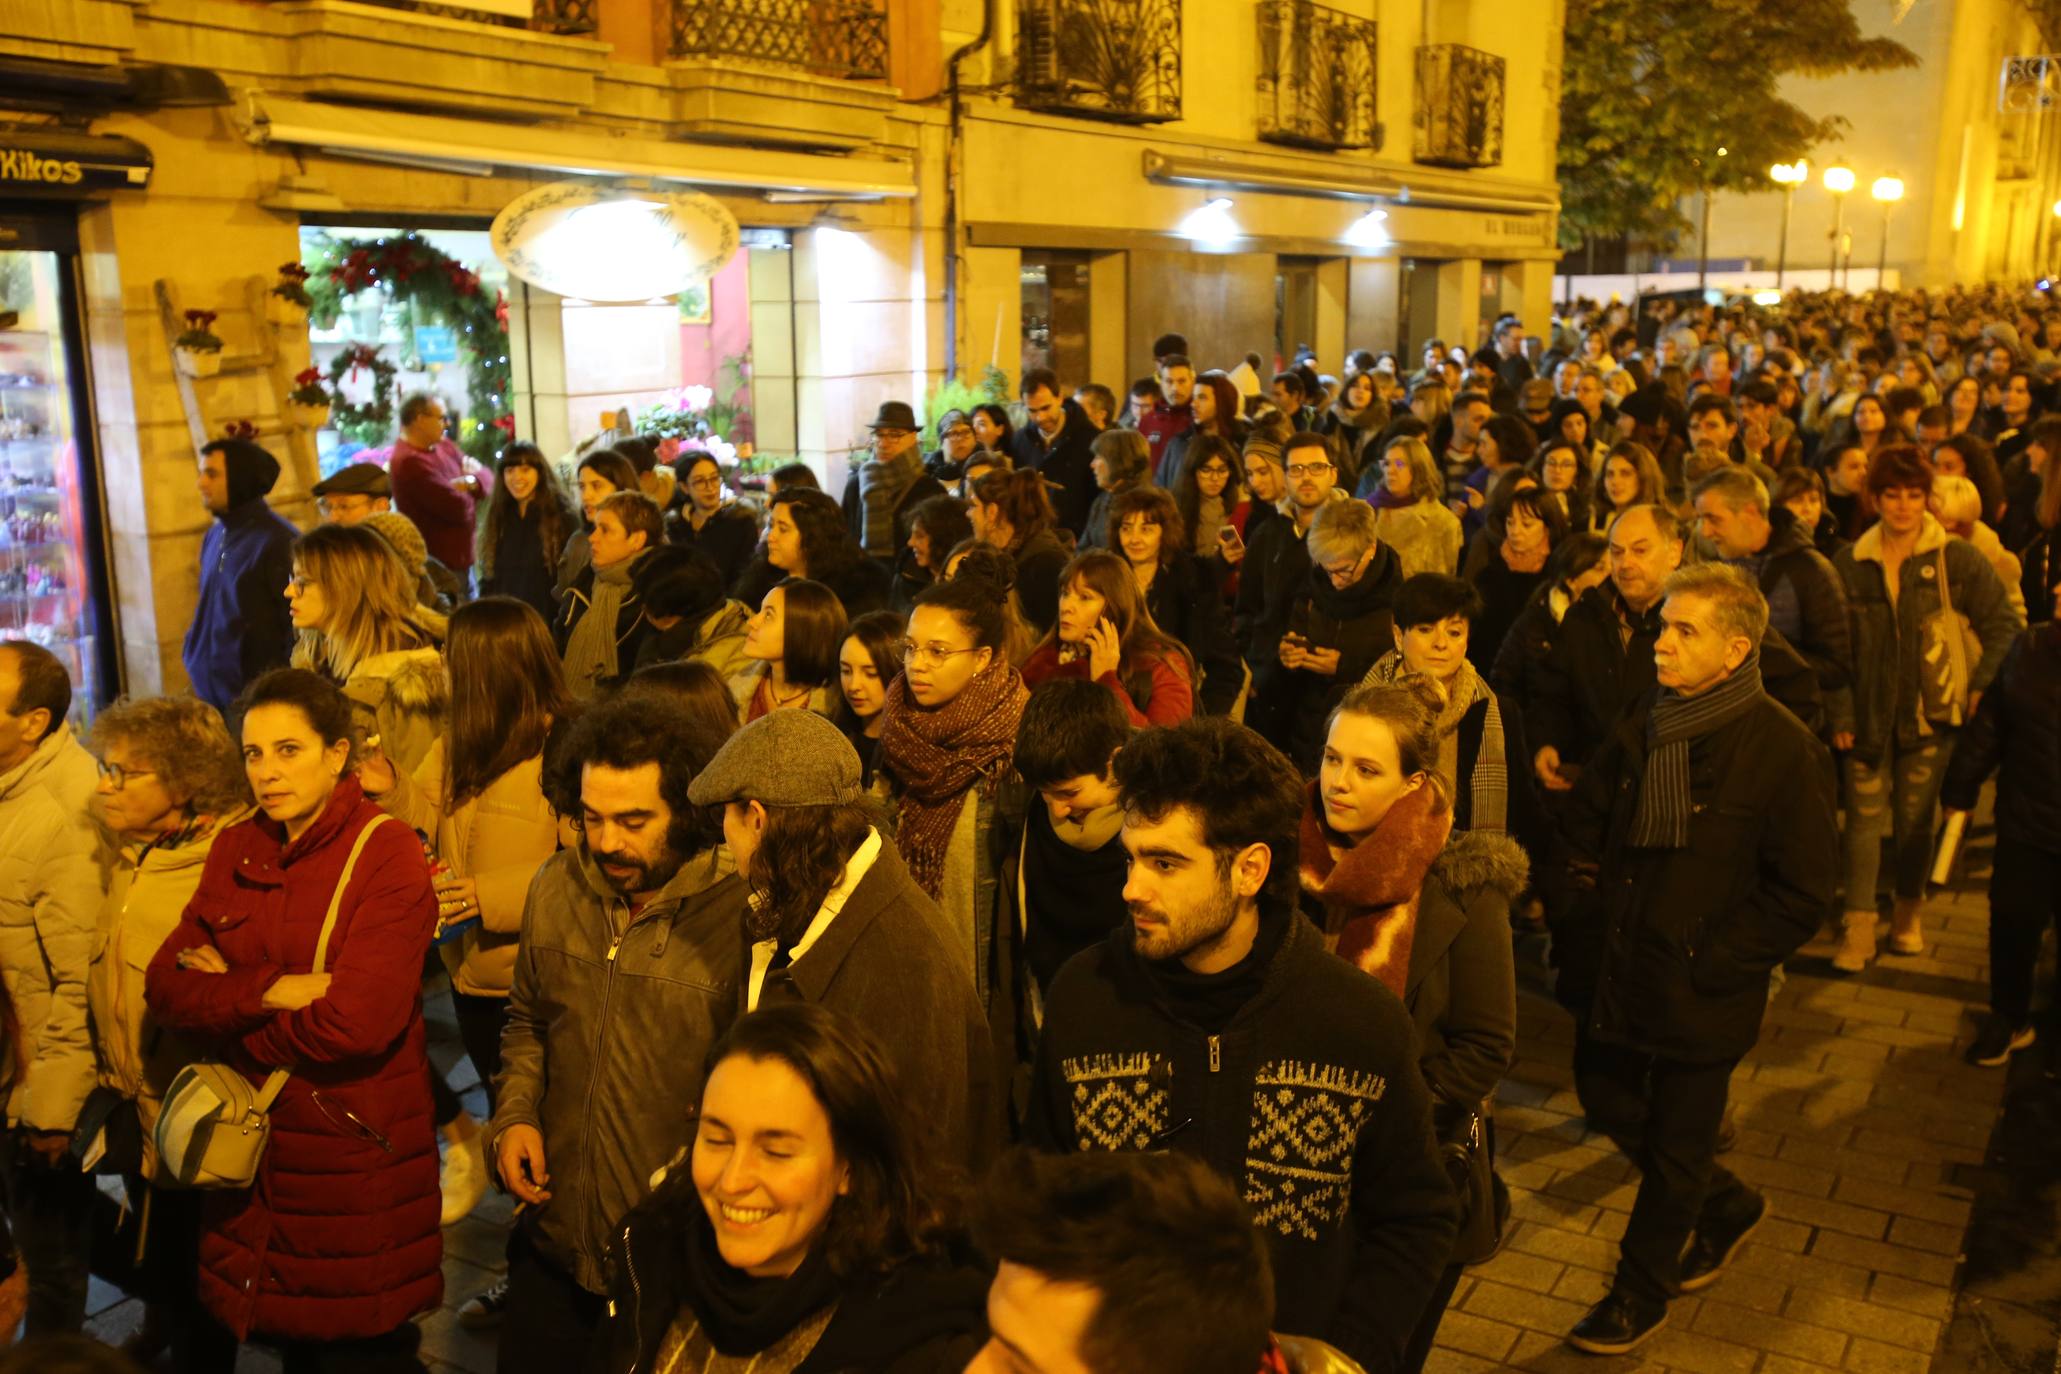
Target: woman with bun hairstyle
(989,567)
(1104,634)
(1426,910)
(946,750)
(1013,512)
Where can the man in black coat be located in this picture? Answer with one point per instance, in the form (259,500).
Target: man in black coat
(1806,601)
(1274,573)
(1705,830)
(1055,445)
(1217,1023)
(1602,660)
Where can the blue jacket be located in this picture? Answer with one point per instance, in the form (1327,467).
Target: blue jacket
(241,627)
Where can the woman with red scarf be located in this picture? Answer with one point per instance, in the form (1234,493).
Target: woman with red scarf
(1427,912)
(945,751)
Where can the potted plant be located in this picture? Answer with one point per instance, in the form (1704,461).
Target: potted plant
(288,301)
(199,349)
(307,405)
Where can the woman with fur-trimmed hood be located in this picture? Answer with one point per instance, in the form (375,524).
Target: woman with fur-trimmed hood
(359,625)
(1426,910)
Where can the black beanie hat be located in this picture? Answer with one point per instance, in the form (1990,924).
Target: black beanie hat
(251,470)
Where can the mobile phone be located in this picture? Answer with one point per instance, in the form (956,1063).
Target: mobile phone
(1228,536)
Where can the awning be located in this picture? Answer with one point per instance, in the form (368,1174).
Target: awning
(54,163)
(465,145)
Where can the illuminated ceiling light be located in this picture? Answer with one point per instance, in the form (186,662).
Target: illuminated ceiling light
(1369,230)
(610,243)
(1212,223)
(1839,180)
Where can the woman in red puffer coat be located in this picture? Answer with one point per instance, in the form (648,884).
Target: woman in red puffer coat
(336,1246)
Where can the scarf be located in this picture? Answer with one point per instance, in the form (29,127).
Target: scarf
(1370,894)
(590,648)
(1488,783)
(1662,821)
(1381,498)
(881,489)
(936,756)
(1535,561)
(742,1315)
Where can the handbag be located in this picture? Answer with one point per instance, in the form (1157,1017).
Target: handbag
(1947,650)
(214,1126)
(1465,1134)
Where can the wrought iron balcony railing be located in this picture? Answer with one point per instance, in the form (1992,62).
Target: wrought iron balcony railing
(1459,120)
(846,38)
(1316,76)
(1104,59)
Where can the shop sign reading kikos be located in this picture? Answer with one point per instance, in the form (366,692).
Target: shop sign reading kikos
(602,243)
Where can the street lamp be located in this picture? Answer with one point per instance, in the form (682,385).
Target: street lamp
(1888,190)
(1787,175)
(1838,180)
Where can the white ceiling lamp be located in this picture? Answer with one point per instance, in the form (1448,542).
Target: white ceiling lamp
(1369,230)
(1212,225)
(605,243)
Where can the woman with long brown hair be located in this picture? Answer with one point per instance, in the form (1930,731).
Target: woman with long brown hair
(1104,634)
(361,628)
(478,794)
(793,641)
(527,525)
(1013,512)
(1183,594)
(1215,409)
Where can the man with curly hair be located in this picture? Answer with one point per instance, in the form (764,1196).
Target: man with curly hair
(625,976)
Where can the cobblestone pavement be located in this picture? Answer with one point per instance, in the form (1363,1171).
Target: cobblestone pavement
(1856,1117)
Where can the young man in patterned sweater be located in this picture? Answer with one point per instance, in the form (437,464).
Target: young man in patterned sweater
(1218,1024)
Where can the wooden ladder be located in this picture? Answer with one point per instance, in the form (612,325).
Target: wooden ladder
(202,420)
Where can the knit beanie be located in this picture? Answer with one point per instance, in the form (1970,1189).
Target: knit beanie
(403,538)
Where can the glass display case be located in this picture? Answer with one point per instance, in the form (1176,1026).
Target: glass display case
(49,530)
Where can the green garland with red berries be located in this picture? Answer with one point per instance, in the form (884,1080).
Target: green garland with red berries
(409,269)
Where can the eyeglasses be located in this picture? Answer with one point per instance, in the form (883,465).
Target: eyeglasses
(298,583)
(959,432)
(890,435)
(117,777)
(1308,469)
(337,505)
(710,481)
(929,654)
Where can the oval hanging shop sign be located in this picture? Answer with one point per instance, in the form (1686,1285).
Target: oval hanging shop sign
(603,243)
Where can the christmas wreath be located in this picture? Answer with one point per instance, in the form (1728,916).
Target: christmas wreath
(409,269)
(373,422)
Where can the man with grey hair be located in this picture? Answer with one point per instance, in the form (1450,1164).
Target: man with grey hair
(433,483)
(1703,832)
(1805,599)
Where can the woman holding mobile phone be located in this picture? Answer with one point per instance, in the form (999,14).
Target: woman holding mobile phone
(1105,634)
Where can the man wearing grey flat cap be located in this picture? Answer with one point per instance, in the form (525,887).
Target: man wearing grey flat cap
(835,919)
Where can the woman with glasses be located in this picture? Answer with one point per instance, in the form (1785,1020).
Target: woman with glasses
(528,523)
(946,746)
(342,1221)
(1339,622)
(793,643)
(710,521)
(361,628)
(171,782)
(1561,468)
(956,443)
(1105,634)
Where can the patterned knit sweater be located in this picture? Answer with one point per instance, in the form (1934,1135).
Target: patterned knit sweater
(1310,1101)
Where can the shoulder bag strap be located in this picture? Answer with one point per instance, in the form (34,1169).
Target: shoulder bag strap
(277,1078)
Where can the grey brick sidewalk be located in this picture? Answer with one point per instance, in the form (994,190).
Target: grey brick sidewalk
(1858,1120)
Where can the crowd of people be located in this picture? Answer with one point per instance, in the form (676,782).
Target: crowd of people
(1053,906)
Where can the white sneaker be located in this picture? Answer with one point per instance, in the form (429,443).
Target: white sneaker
(483,1313)
(464,1177)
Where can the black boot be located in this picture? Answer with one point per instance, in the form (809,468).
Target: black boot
(1618,1324)
(1719,1234)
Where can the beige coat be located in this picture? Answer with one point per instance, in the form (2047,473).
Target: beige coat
(52,878)
(499,839)
(1425,535)
(402,698)
(147,892)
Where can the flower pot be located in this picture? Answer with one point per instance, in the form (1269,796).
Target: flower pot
(307,416)
(281,311)
(199,362)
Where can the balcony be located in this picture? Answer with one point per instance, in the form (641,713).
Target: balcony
(1100,59)
(541,16)
(1316,76)
(1459,120)
(846,39)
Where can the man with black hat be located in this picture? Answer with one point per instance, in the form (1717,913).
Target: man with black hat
(886,488)
(241,627)
(353,494)
(835,919)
